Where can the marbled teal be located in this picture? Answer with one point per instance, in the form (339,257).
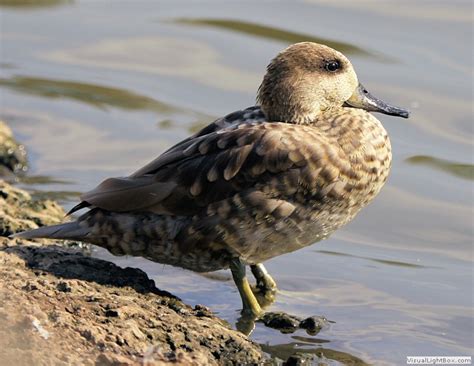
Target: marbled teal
(258,183)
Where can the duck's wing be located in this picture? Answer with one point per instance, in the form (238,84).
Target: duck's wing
(232,120)
(274,158)
(130,188)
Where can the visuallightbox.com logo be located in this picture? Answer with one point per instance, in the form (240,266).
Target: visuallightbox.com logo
(438,360)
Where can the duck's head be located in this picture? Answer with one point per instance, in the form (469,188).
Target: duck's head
(308,79)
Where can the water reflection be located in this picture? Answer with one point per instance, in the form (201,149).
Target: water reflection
(465,171)
(43,179)
(311,340)
(273,33)
(284,351)
(87,162)
(168,56)
(382,261)
(7,65)
(33,3)
(94,95)
(61,196)
(441,11)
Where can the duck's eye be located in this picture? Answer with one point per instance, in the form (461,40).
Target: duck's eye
(332,66)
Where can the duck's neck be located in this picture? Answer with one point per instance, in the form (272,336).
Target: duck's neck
(307,114)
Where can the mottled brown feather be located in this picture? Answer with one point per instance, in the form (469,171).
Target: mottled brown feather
(249,151)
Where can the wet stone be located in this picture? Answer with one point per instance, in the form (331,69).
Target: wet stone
(314,324)
(285,323)
(12,154)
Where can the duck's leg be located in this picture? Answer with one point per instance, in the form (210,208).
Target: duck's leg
(265,282)
(249,302)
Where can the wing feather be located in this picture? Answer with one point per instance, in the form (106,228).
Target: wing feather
(126,194)
(214,166)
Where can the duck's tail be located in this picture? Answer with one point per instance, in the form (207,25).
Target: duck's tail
(70,230)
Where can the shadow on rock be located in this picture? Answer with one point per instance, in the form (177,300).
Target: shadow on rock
(68,264)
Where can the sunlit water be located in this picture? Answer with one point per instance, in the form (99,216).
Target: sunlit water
(98,88)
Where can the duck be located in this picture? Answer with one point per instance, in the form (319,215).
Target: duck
(258,183)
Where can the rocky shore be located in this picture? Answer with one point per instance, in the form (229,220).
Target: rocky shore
(12,153)
(61,307)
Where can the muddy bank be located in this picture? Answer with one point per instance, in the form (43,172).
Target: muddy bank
(58,306)
(61,307)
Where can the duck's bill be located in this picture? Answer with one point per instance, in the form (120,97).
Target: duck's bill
(364,100)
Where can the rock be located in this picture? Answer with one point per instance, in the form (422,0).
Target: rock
(287,323)
(37,313)
(59,306)
(314,324)
(284,322)
(12,154)
(19,212)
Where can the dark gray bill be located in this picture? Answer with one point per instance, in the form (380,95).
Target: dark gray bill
(364,100)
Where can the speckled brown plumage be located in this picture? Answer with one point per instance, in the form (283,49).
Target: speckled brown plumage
(252,190)
(257,183)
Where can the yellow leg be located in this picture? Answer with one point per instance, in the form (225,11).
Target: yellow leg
(265,282)
(249,302)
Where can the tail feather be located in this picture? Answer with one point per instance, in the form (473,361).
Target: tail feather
(70,230)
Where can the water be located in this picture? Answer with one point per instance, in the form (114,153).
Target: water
(99,88)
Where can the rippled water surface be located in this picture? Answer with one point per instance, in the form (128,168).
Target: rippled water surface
(98,88)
